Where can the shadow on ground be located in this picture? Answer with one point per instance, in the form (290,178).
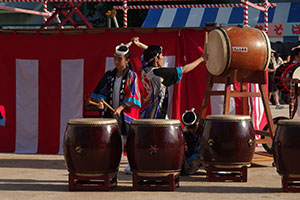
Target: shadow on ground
(33,163)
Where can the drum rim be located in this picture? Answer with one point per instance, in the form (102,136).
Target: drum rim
(93,173)
(156,122)
(289,122)
(228,117)
(288,174)
(227,165)
(228,45)
(228,62)
(93,121)
(268,58)
(293,74)
(297,68)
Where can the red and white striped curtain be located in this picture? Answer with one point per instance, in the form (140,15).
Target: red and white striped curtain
(45,77)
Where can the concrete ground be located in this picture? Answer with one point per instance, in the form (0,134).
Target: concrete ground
(34,177)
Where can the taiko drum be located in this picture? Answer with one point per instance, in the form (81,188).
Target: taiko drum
(237,47)
(228,140)
(284,75)
(286,148)
(92,146)
(155,146)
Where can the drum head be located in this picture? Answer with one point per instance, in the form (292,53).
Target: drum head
(218,50)
(228,117)
(296,74)
(93,121)
(268,43)
(289,122)
(156,122)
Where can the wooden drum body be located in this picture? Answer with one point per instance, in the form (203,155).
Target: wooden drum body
(228,140)
(244,48)
(92,146)
(155,146)
(286,147)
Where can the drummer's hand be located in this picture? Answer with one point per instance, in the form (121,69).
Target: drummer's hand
(119,110)
(100,105)
(135,40)
(185,147)
(205,57)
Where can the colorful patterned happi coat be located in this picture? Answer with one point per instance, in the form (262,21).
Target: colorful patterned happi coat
(129,93)
(156,81)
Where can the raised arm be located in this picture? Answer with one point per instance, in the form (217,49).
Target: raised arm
(136,41)
(189,67)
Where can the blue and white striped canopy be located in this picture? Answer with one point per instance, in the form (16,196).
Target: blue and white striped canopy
(197,17)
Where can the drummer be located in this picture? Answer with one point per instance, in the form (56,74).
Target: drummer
(119,88)
(295,60)
(156,80)
(271,77)
(192,134)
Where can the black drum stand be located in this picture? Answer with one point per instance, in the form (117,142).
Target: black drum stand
(237,174)
(104,182)
(156,182)
(290,183)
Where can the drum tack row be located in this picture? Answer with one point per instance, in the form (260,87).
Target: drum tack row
(155,151)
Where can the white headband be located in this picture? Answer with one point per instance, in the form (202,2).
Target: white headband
(118,52)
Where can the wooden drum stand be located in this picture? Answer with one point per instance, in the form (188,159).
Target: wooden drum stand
(259,78)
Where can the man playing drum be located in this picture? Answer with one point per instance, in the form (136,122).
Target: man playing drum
(156,80)
(192,134)
(119,87)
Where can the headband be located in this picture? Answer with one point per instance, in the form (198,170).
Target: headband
(121,52)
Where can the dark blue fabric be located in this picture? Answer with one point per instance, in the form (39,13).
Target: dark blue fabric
(236,16)
(290,39)
(271,13)
(210,15)
(294,15)
(181,17)
(152,18)
(193,143)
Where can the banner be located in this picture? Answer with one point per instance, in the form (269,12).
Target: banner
(44,79)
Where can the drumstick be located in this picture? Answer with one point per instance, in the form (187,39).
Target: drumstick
(206,41)
(128,44)
(111,108)
(97,104)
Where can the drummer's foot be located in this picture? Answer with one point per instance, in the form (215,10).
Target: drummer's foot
(279,106)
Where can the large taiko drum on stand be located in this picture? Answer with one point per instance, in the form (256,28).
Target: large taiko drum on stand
(286,148)
(228,141)
(237,47)
(92,146)
(155,146)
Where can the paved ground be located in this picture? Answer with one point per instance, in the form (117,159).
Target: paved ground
(27,176)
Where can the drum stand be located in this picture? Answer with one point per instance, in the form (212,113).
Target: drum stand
(101,182)
(290,183)
(159,183)
(226,174)
(259,78)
